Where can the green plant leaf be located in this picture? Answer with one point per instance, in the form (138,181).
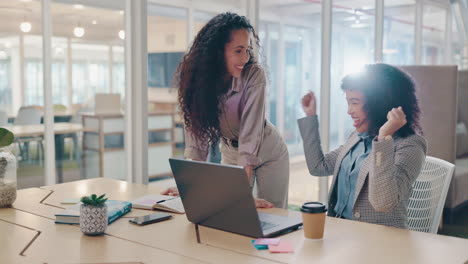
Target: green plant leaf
(94,200)
(86,200)
(6,137)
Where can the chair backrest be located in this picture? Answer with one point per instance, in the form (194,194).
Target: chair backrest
(428,195)
(3,118)
(28,115)
(436,85)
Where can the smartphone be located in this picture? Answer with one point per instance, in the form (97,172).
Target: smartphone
(149,219)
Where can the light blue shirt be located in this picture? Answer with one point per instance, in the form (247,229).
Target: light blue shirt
(348,175)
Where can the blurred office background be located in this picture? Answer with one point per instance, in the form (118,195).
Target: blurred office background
(91,59)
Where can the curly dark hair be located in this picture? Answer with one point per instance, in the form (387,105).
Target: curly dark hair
(386,87)
(201,75)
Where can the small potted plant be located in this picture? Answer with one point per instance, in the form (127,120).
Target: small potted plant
(7,169)
(93,215)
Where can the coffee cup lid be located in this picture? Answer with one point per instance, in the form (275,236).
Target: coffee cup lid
(313,207)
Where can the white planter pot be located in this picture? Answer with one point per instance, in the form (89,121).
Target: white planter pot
(7,177)
(93,219)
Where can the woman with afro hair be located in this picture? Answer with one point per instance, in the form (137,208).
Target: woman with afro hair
(373,171)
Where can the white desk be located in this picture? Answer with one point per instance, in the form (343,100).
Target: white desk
(38,130)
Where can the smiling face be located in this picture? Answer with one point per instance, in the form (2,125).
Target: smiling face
(356,103)
(237,52)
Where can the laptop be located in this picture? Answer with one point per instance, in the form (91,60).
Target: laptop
(219,196)
(107,104)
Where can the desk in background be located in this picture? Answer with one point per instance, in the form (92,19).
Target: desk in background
(103,144)
(59,117)
(165,99)
(32,234)
(60,131)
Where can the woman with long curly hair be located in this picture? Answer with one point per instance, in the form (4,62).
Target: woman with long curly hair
(373,171)
(222,98)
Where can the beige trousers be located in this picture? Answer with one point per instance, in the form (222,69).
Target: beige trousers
(271,178)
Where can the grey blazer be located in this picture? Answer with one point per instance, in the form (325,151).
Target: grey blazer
(385,178)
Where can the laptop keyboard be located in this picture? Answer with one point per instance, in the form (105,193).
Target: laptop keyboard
(267,225)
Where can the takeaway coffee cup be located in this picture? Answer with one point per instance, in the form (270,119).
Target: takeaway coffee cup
(313,218)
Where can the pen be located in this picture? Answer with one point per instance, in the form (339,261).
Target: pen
(166,200)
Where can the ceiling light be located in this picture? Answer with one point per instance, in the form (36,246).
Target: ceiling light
(94,22)
(58,51)
(25,27)
(359,25)
(121,12)
(78,6)
(78,31)
(122,34)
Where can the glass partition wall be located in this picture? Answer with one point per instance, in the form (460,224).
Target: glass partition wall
(169,37)
(167,43)
(290,38)
(398,42)
(352,48)
(87,74)
(21,100)
(433,35)
(88,59)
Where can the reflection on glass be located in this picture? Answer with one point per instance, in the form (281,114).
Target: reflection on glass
(433,35)
(398,47)
(290,38)
(352,47)
(298,63)
(21,84)
(118,72)
(167,43)
(200,18)
(33,89)
(5,79)
(269,37)
(90,72)
(88,59)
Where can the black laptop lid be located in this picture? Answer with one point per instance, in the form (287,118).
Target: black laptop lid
(217,196)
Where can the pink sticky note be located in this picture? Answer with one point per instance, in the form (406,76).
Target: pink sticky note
(267,241)
(282,247)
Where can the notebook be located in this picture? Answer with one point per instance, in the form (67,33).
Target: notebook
(159,202)
(115,209)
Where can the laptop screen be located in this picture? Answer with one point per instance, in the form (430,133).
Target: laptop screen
(217,196)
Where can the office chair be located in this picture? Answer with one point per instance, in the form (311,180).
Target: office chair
(29,115)
(3,118)
(428,195)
